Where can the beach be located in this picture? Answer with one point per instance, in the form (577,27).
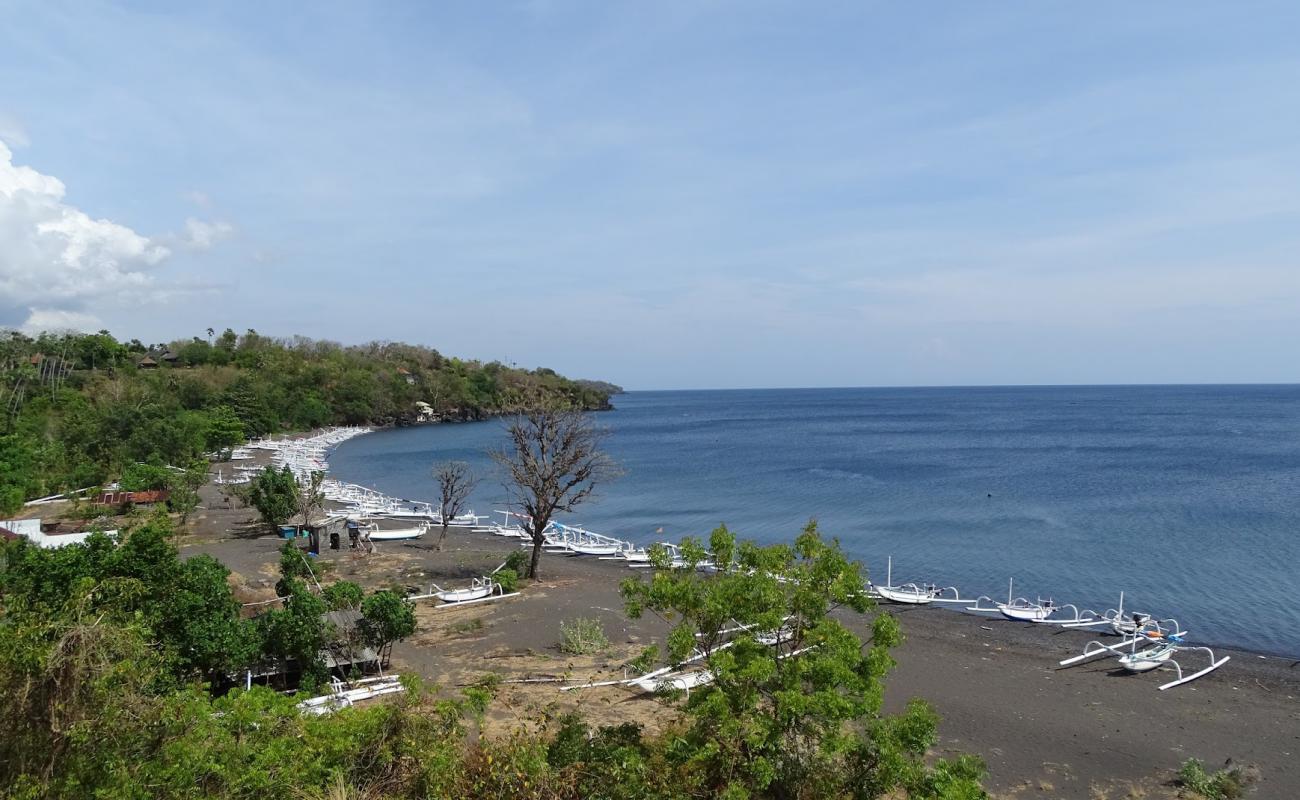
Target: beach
(1086,732)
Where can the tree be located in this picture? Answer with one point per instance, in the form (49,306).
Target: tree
(455,483)
(342,595)
(553,463)
(310,501)
(799,717)
(385,619)
(224,432)
(184,487)
(274,493)
(298,631)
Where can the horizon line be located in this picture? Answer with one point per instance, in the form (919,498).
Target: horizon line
(970,386)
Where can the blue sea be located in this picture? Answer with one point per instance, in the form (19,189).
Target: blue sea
(1186,498)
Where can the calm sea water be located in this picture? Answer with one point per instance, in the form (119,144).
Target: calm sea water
(1187,498)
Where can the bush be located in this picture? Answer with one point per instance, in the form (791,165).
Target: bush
(583,636)
(517,561)
(508,580)
(1226,784)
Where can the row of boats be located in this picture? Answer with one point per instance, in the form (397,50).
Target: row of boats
(302,456)
(1147,642)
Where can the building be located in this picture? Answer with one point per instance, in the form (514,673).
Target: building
(42,535)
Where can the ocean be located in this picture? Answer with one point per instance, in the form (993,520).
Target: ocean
(1186,498)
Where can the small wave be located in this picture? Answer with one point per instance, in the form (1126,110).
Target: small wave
(844,475)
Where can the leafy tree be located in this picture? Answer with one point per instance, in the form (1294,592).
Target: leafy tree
(225,431)
(297,632)
(455,483)
(800,718)
(342,595)
(145,477)
(185,487)
(553,463)
(386,619)
(274,493)
(18,479)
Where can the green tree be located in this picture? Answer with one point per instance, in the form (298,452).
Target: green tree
(274,493)
(799,717)
(386,619)
(224,432)
(297,632)
(342,595)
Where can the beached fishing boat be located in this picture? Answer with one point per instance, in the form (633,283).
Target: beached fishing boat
(1020,609)
(673,681)
(378,534)
(1122,624)
(912,593)
(478,589)
(1150,651)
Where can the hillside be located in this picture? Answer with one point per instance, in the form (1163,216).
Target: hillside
(79,408)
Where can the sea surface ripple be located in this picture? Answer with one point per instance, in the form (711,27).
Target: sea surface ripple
(1187,498)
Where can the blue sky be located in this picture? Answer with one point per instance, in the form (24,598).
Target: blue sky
(670,195)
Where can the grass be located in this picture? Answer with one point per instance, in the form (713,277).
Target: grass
(582,636)
(466,626)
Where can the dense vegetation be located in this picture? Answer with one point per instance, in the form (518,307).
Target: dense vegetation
(78,410)
(108,651)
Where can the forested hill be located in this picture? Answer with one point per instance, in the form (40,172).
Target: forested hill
(79,408)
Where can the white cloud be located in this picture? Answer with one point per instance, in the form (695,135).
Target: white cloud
(55,259)
(201,235)
(11,131)
(57,319)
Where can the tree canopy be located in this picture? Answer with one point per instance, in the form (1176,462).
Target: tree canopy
(77,409)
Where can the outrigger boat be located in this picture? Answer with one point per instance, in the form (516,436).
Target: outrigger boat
(1122,624)
(913,593)
(478,589)
(1160,652)
(1020,609)
(378,534)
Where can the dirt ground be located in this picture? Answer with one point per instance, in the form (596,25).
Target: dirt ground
(1089,732)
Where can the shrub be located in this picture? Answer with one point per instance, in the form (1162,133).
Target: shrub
(516,561)
(582,636)
(508,579)
(1226,784)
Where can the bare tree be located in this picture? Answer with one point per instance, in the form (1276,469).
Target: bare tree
(311,500)
(553,463)
(455,482)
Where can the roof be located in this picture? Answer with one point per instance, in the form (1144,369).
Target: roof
(8,535)
(147,361)
(149,496)
(31,530)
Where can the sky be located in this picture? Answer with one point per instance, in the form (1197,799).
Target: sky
(670,194)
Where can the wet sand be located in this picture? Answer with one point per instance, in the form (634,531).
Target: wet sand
(1086,732)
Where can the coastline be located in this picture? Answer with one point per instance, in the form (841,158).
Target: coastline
(1087,732)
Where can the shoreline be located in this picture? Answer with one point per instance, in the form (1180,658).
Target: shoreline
(1085,732)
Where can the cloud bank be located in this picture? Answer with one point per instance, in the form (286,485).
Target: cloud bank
(57,262)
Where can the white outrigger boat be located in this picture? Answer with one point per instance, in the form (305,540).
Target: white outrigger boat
(913,593)
(1159,651)
(478,589)
(1020,609)
(345,695)
(1122,624)
(378,534)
